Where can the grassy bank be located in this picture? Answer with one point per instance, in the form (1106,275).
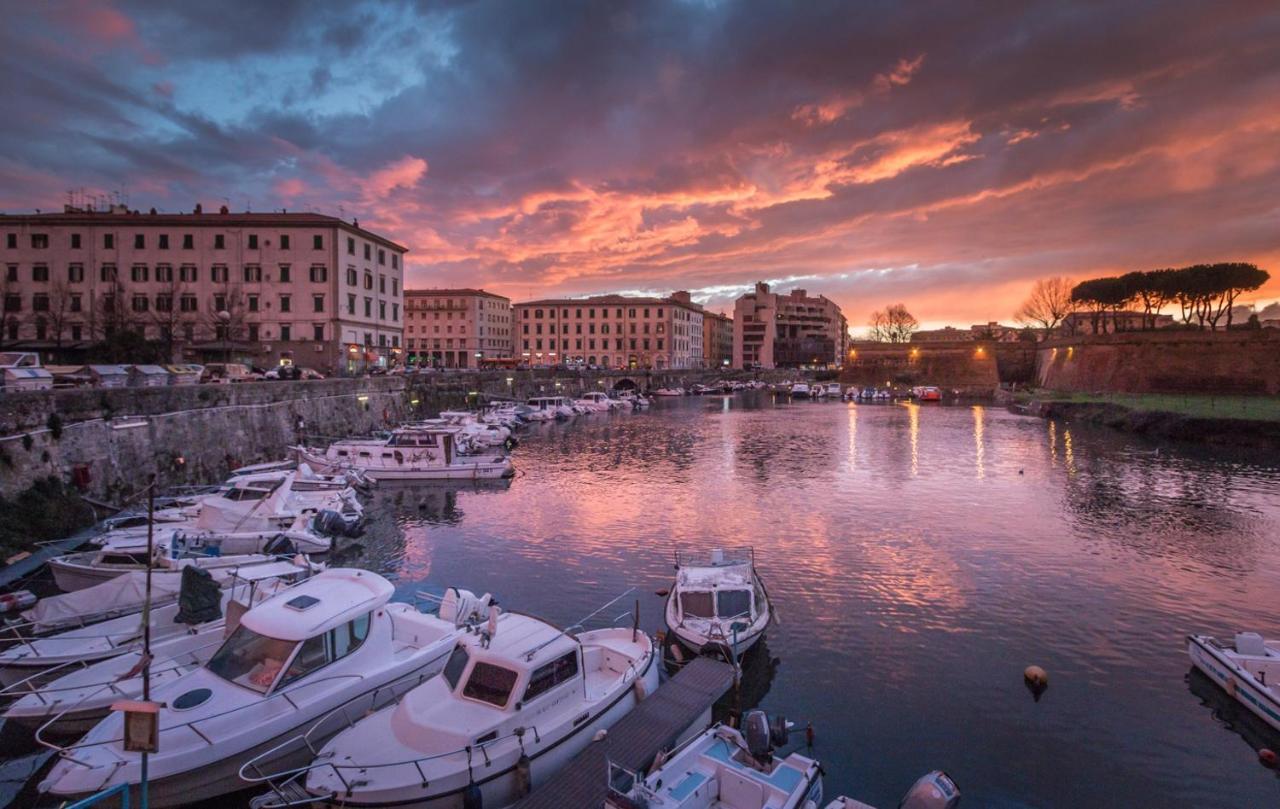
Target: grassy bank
(48,510)
(1237,408)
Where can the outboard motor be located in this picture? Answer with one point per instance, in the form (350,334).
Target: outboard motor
(330,523)
(933,791)
(763,736)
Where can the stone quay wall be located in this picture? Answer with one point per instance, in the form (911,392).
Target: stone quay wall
(1172,362)
(109,441)
(973,368)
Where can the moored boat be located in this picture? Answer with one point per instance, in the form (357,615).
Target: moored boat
(718,604)
(1248,670)
(800,390)
(726,769)
(512,706)
(430,453)
(329,647)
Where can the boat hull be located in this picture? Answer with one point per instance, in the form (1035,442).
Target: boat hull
(715,647)
(1232,678)
(222,777)
(501,788)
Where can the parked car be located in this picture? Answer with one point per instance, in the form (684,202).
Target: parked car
(225,372)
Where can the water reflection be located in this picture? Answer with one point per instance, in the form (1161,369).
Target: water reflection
(980,449)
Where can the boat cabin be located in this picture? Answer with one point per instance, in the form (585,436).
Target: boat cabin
(548,402)
(301,630)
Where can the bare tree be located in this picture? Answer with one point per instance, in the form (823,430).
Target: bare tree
(1048,304)
(893,324)
(168,316)
(59,315)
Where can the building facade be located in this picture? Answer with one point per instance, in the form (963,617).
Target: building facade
(772,330)
(261,288)
(990,331)
(456,328)
(1078,324)
(717,340)
(613,331)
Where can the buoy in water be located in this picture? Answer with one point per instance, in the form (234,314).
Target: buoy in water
(1037,680)
(1268,757)
(663,593)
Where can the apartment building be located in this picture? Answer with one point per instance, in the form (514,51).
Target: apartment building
(717,340)
(261,288)
(614,331)
(456,328)
(771,330)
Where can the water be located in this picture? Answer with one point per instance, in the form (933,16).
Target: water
(920,558)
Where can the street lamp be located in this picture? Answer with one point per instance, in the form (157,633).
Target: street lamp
(224,318)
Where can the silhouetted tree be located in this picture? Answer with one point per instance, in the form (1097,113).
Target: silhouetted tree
(1048,304)
(893,324)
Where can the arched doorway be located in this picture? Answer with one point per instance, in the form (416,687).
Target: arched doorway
(626,383)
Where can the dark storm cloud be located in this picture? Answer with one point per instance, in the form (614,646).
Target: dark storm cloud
(880,150)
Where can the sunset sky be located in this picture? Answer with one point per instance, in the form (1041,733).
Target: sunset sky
(943,155)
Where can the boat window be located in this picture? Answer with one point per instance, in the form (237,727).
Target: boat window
(328,647)
(342,453)
(697,605)
(733,603)
(547,677)
(251,660)
(454,668)
(123,559)
(490,683)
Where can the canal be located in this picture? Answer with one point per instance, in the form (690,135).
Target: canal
(920,559)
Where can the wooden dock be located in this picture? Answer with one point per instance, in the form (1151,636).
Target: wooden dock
(653,725)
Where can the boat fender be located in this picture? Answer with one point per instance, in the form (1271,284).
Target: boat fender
(600,735)
(1037,680)
(472,797)
(676,653)
(524,775)
(1268,758)
(641,690)
(1231,687)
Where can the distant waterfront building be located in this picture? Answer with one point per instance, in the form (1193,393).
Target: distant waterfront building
(981,331)
(457,328)
(1078,324)
(771,330)
(614,331)
(717,340)
(260,288)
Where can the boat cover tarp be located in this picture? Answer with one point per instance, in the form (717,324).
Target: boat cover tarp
(116,596)
(200,599)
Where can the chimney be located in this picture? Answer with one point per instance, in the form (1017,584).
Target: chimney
(682,297)
(224,210)
(199,209)
(762,288)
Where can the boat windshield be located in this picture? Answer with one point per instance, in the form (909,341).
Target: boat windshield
(733,603)
(490,683)
(454,668)
(697,604)
(251,660)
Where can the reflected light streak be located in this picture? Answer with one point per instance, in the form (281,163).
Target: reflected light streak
(1053,443)
(913,411)
(1068,452)
(853,436)
(980,450)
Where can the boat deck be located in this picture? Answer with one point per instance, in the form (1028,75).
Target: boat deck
(653,725)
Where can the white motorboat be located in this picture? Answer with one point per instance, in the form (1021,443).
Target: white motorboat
(669,392)
(718,604)
(558,406)
(1248,670)
(434,453)
(833,390)
(79,571)
(74,696)
(330,647)
(515,704)
(726,769)
(600,400)
(935,790)
(800,390)
(30,656)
